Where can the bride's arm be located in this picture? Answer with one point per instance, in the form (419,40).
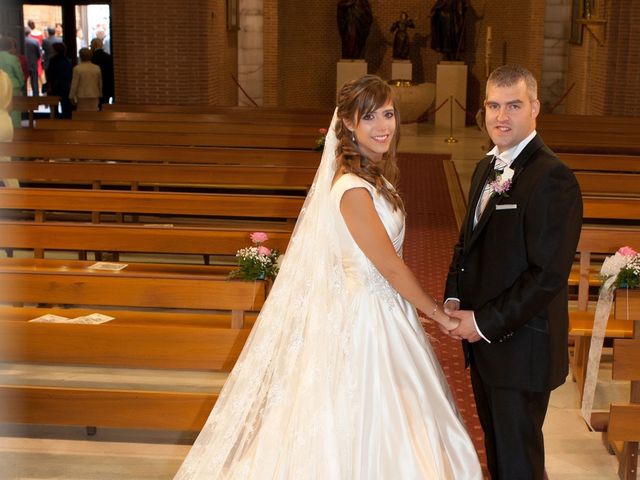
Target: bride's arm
(369,233)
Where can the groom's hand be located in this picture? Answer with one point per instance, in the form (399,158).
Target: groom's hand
(467,327)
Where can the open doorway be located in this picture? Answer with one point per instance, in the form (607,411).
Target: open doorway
(93,21)
(43,24)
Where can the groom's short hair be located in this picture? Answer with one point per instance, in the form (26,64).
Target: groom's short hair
(508,75)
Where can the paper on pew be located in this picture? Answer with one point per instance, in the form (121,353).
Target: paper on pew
(108,266)
(91,319)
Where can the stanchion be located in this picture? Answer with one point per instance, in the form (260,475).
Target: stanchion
(450,138)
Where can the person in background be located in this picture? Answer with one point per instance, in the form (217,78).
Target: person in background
(59,74)
(47,48)
(11,66)
(6,124)
(86,83)
(32,52)
(23,62)
(103,60)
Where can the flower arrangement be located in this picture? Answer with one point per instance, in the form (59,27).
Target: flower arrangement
(501,182)
(319,146)
(622,270)
(256,262)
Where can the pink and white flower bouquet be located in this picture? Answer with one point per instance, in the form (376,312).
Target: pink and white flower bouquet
(256,262)
(622,270)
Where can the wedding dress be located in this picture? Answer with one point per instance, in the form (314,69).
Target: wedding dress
(337,379)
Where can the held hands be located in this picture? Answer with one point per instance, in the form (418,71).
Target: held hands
(466,328)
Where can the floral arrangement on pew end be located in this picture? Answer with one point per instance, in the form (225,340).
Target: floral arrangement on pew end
(319,146)
(622,270)
(257,262)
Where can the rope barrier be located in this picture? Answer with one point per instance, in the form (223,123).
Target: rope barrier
(244,91)
(431,111)
(472,116)
(561,99)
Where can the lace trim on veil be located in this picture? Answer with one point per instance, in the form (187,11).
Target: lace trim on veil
(298,345)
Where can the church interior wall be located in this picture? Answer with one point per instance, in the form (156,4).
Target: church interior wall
(181,52)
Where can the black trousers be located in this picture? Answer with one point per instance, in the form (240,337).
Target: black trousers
(512,423)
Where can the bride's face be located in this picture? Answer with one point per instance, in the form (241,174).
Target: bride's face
(375,131)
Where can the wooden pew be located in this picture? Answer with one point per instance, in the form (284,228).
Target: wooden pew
(104,125)
(599,142)
(165,176)
(623,430)
(158,340)
(589,123)
(601,162)
(284,209)
(605,175)
(31,104)
(165,138)
(299,116)
(604,240)
(162,154)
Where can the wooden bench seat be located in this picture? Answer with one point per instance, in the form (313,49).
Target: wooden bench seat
(31,104)
(166,138)
(623,430)
(263,207)
(601,162)
(595,240)
(142,239)
(152,334)
(208,113)
(104,125)
(162,154)
(164,176)
(598,142)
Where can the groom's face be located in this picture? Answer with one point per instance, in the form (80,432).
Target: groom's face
(510,114)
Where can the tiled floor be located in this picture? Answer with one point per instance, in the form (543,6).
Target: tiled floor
(68,453)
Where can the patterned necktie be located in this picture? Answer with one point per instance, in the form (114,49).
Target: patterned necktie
(499,165)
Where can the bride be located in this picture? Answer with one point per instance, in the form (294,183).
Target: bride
(337,379)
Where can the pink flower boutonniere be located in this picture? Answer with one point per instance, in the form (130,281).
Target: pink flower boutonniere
(501,184)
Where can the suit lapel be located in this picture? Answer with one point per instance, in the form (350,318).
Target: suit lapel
(518,165)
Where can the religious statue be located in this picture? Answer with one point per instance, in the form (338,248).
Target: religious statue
(401,37)
(447,27)
(354,23)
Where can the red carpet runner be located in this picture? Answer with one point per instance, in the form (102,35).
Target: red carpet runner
(431,234)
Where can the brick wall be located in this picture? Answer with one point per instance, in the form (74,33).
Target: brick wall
(606,67)
(172,52)
(179,51)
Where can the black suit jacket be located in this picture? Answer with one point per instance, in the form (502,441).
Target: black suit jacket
(105,62)
(512,271)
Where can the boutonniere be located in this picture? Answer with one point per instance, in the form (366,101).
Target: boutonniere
(501,182)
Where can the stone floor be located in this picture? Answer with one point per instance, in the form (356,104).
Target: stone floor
(573,453)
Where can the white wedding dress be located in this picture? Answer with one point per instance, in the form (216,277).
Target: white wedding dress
(356,395)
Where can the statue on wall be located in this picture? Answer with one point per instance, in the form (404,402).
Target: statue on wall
(354,22)
(447,27)
(401,37)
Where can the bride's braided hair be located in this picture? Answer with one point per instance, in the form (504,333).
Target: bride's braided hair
(356,99)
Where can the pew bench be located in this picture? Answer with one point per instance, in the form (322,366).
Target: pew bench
(151,125)
(166,319)
(208,113)
(166,177)
(166,138)
(623,429)
(595,240)
(31,104)
(161,154)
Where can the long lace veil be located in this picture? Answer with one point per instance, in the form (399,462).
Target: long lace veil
(283,392)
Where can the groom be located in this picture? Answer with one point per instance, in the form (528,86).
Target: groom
(507,282)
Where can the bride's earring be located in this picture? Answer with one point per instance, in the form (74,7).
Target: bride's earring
(353,136)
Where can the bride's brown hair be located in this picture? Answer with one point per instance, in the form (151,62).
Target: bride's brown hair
(356,99)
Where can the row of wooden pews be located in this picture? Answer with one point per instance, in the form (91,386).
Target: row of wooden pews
(150,192)
(611,189)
